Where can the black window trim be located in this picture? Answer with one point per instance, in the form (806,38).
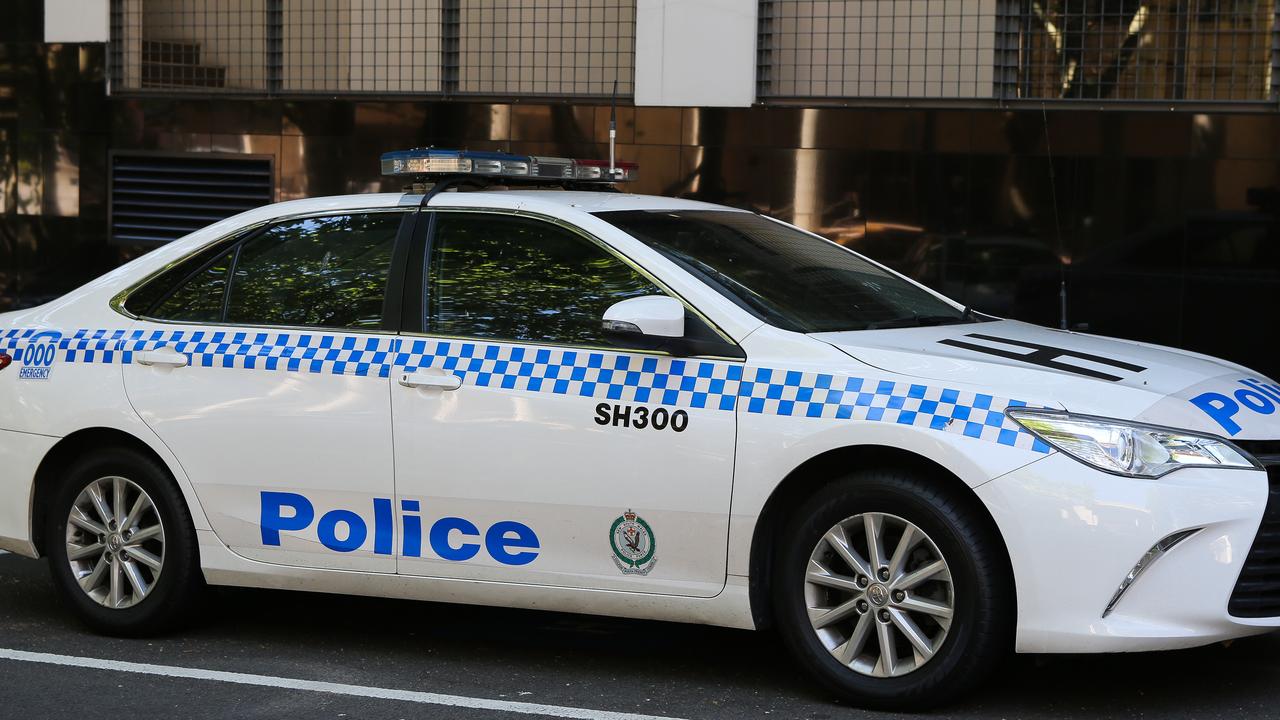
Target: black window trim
(233,241)
(417,267)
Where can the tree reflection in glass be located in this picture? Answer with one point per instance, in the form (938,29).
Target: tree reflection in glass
(521,279)
(324,272)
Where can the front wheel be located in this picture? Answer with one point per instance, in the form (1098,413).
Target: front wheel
(121,544)
(892,590)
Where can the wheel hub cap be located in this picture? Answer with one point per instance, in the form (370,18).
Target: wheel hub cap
(115,542)
(879,595)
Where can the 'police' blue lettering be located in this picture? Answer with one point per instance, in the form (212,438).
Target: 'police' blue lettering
(499,544)
(1270,391)
(1219,407)
(451,538)
(412,529)
(1255,401)
(273,522)
(382,527)
(440,539)
(1255,397)
(357,531)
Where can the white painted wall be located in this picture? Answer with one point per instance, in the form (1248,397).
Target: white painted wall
(696,52)
(72,21)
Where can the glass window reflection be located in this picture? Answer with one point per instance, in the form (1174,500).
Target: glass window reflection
(513,278)
(200,298)
(321,272)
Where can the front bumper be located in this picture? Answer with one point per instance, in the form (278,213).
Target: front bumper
(1074,533)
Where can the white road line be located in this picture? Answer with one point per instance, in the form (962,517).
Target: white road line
(424,698)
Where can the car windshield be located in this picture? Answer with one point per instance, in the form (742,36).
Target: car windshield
(783,276)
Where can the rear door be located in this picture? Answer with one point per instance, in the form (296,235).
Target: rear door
(263,365)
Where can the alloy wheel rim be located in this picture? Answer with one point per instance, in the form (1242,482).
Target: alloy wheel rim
(115,542)
(879,595)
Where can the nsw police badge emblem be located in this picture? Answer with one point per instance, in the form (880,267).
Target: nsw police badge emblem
(633,545)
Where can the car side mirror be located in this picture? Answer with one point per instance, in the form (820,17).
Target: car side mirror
(657,322)
(655,316)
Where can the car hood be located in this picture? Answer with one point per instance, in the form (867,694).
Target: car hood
(1079,373)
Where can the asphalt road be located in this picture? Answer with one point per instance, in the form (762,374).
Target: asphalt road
(497,664)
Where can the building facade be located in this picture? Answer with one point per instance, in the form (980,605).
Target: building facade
(998,150)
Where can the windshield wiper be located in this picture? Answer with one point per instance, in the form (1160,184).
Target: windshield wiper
(920,321)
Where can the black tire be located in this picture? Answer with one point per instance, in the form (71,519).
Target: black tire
(178,586)
(980,633)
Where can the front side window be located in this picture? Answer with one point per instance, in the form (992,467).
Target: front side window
(785,277)
(513,278)
(326,272)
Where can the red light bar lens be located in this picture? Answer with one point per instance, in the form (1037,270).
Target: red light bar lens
(599,170)
(4,361)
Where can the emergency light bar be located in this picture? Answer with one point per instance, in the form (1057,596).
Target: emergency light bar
(431,161)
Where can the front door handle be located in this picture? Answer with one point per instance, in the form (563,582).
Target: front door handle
(164,357)
(431,379)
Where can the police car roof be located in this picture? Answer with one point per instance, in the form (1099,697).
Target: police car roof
(585,201)
(553,202)
(550,202)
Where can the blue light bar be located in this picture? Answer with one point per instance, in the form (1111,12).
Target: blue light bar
(431,161)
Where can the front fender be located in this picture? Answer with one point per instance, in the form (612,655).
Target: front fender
(772,447)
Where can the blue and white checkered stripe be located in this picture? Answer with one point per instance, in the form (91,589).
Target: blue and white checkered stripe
(89,346)
(11,340)
(282,351)
(821,395)
(580,373)
(702,384)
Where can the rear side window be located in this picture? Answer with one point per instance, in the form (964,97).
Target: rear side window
(323,272)
(313,272)
(199,299)
(148,300)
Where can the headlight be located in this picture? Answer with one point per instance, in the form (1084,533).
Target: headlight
(1129,449)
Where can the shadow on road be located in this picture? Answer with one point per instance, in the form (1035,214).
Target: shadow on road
(582,661)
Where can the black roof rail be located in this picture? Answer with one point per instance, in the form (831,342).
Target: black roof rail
(435,184)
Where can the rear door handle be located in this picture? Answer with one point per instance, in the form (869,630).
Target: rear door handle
(163,357)
(431,379)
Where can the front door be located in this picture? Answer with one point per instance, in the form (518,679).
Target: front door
(265,370)
(528,452)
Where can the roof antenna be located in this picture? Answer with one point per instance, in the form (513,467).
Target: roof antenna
(1057,228)
(613,128)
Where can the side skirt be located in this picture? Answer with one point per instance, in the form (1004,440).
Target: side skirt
(731,608)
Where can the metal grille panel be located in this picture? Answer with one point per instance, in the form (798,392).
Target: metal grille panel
(536,47)
(159,198)
(426,47)
(1257,591)
(893,48)
(1095,50)
(176,45)
(1163,50)
(380,46)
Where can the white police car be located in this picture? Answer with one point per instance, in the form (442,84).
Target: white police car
(636,406)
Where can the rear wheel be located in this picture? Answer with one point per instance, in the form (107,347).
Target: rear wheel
(121,545)
(893,592)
